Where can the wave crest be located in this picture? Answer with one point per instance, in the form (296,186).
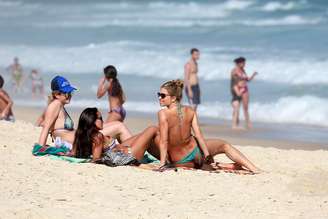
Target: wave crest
(307,110)
(147,59)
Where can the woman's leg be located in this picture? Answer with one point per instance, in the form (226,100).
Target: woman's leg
(245,100)
(235,114)
(34,90)
(143,142)
(116,128)
(216,146)
(154,148)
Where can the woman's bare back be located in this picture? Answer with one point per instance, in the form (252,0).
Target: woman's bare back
(180,141)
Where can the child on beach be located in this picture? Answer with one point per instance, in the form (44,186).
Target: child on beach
(37,83)
(6,104)
(110,84)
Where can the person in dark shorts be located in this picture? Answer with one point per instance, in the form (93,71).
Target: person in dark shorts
(191,81)
(195,99)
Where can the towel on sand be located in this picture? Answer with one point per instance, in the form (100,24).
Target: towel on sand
(56,153)
(39,150)
(60,153)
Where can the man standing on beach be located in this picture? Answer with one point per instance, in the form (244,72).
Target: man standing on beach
(191,81)
(16,72)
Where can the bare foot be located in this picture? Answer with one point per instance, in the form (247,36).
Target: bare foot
(249,126)
(228,166)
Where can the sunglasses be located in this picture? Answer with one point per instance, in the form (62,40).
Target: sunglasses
(161,95)
(100,118)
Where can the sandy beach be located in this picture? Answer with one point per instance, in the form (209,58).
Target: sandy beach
(260,46)
(294,186)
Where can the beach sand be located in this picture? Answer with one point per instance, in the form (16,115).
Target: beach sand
(294,186)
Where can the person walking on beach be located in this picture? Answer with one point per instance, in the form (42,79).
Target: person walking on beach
(6,104)
(191,81)
(240,92)
(181,139)
(16,72)
(111,85)
(37,83)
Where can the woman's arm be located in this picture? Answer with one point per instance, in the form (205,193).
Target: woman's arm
(40,120)
(187,71)
(237,90)
(199,135)
(253,76)
(164,131)
(51,115)
(9,102)
(102,88)
(112,129)
(234,73)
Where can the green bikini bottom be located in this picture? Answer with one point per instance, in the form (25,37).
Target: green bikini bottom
(192,156)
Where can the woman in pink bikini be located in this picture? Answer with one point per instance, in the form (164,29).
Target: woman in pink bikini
(110,84)
(239,91)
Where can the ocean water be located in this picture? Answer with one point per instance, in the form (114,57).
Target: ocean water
(149,42)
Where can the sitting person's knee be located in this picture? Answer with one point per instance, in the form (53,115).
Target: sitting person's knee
(153,128)
(226,146)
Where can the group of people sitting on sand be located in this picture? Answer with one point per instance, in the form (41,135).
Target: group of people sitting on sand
(177,140)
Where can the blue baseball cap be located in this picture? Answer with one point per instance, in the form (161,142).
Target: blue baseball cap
(61,84)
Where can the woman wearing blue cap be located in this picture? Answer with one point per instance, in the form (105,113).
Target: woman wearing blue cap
(60,125)
(57,122)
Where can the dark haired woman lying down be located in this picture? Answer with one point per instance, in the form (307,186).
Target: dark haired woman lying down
(90,142)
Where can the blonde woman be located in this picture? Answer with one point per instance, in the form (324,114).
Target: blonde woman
(181,139)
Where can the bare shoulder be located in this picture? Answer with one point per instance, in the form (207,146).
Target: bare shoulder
(234,71)
(162,114)
(189,111)
(3,93)
(187,65)
(55,105)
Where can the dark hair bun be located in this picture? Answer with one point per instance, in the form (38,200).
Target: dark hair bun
(110,72)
